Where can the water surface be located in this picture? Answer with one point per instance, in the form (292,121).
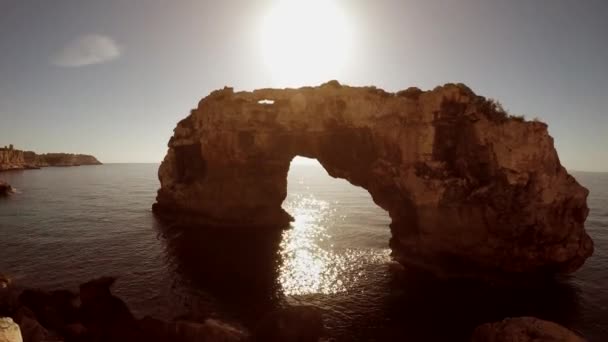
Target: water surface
(68,225)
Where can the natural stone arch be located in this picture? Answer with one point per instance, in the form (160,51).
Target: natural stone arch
(469,189)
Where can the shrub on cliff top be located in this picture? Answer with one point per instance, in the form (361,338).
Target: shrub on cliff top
(494,110)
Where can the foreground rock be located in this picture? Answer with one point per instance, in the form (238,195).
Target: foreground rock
(209,330)
(470,190)
(9,330)
(12,159)
(95,314)
(5,188)
(291,324)
(524,329)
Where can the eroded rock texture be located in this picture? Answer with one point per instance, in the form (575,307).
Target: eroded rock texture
(468,188)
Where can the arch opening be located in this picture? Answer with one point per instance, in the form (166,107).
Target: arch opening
(337,232)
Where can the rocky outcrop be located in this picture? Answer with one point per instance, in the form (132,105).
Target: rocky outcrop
(11,159)
(95,314)
(470,190)
(5,188)
(524,329)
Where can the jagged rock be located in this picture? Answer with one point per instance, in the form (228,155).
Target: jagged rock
(470,190)
(31,330)
(6,296)
(9,330)
(524,329)
(5,188)
(291,324)
(54,310)
(105,316)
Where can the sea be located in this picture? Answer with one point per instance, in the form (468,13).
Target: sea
(67,225)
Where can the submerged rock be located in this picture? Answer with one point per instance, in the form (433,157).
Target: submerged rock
(524,329)
(470,190)
(5,188)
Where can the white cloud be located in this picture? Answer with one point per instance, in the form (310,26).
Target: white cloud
(87,49)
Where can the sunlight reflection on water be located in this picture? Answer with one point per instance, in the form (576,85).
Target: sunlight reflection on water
(311,265)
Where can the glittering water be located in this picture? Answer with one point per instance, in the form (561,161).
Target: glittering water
(317,256)
(67,225)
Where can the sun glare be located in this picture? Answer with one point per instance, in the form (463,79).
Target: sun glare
(305,41)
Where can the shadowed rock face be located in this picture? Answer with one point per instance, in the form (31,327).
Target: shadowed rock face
(469,189)
(524,329)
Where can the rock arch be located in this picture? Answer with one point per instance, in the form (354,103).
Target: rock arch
(469,189)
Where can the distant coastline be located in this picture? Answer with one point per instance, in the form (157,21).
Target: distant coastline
(14,159)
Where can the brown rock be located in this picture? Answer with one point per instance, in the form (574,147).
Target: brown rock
(524,329)
(11,159)
(105,316)
(5,189)
(186,331)
(300,323)
(470,190)
(31,330)
(5,281)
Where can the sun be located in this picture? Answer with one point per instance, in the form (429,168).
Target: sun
(305,42)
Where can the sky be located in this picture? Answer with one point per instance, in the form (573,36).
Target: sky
(112,78)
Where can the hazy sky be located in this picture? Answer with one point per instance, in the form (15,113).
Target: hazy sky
(113,77)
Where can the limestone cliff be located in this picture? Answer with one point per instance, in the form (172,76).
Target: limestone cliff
(469,189)
(12,159)
(64,159)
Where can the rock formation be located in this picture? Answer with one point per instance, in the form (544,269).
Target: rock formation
(95,314)
(470,190)
(524,329)
(5,188)
(11,159)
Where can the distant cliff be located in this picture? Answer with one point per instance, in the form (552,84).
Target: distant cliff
(12,159)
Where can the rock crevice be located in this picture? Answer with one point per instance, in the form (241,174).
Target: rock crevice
(468,188)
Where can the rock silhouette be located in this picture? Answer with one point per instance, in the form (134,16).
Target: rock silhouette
(470,190)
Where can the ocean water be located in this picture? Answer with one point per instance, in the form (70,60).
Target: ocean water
(65,226)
